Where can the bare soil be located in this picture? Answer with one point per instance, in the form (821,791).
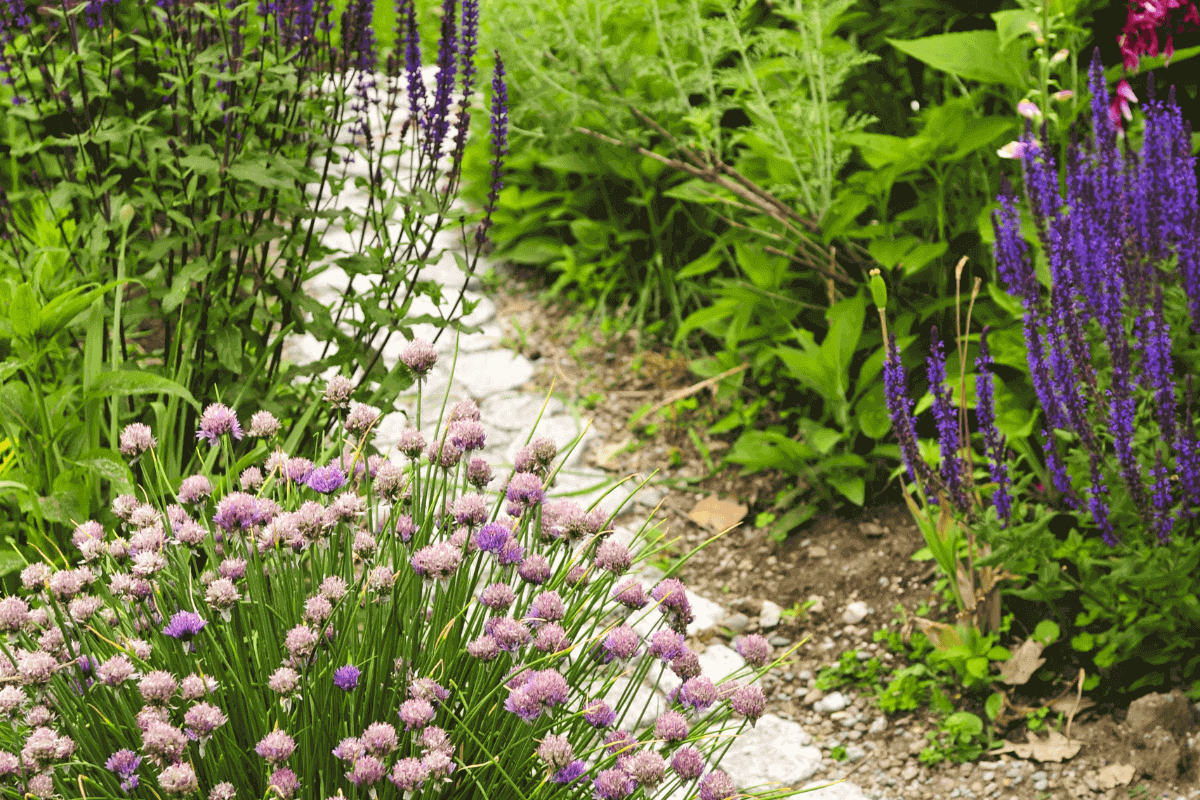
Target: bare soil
(835,559)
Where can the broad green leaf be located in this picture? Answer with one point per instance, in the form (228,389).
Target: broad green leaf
(971,55)
(702,265)
(872,413)
(811,371)
(880,150)
(23,312)
(10,561)
(128,382)
(1012,24)
(257,174)
(889,252)
(977,667)
(1117,71)
(759,450)
(979,133)
(110,466)
(589,233)
(851,487)
(920,256)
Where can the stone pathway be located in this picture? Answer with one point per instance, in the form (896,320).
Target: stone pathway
(776,752)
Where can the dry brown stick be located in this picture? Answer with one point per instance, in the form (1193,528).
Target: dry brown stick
(693,389)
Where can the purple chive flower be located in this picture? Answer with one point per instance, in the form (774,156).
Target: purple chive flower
(485,648)
(716,785)
(125,763)
(264,425)
(184,625)
(555,751)
(338,391)
(218,420)
(380,739)
(546,607)
(238,511)
(136,439)
(416,713)
(754,648)
(195,489)
(408,774)
(346,678)
(524,490)
(492,537)
(687,763)
(498,596)
(613,557)
(428,689)
(551,638)
(671,596)
(467,434)
(698,692)
(570,773)
(599,715)
(479,473)
(419,356)
(275,747)
(613,784)
(437,561)
(630,594)
(671,726)
(668,645)
(367,770)
(534,568)
(361,418)
(622,643)
(326,480)
(202,719)
(511,553)
(647,768)
(444,454)
(470,510)
(510,634)
(750,702)
(284,782)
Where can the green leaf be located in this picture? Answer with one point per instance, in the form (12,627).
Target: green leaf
(851,487)
(921,255)
(1047,631)
(702,265)
(977,667)
(110,466)
(980,133)
(23,311)
(10,561)
(759,450)
(889,252)
(993,705)
(971,55)
(791,520)
(128,382)
(872,413)
(808,370)
(1012,24)
(1083,643)
(256,173)
(56,314)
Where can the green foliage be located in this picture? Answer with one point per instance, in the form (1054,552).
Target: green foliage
(955,740)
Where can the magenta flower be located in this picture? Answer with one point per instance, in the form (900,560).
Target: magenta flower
(1146,19)
(1119,107)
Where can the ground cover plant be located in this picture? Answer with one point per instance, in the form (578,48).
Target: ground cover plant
(354,625)
(165,215)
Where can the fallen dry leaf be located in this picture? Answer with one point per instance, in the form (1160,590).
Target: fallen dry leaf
(1023,663)
(1114,775)
(1055,747)
(717,514)
(1063,705)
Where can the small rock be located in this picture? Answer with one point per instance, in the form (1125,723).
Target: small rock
(770,615)
(816,551)
(818,604)
(747,605)
(871,529)
(855,753)
(910,772)
(878,726)
(856,612)
(736,622)
(779,641)
(835,701)
(813,696)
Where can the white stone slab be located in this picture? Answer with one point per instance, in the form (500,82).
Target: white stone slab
(718,662)
(492,371)
(771,752)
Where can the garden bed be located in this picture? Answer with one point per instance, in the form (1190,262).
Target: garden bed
(836,560)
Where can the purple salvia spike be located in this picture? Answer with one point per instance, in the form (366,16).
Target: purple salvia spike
(470,24)
(1011,251)
(499,146)
(1161,497)
(412,65)
(1098,503)
(1121,413)
(946,417)
(1156,366)
(993,442)
(899,406)
(1103,131)
(436,125)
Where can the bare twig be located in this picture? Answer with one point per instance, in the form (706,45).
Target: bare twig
(693,389)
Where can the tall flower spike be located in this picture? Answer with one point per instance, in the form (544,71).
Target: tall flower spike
(945,416)
(436,124)
(499,145)
(899,406)
(993,442)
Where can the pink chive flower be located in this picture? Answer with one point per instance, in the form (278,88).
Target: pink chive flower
(275,747)
(419,356)
(218,420)
(136,439)
(338,391)
(264,425)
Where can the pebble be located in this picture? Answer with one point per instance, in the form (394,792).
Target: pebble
(855,613)
(770,615)
(834,701)
(780,641)
(736,622)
